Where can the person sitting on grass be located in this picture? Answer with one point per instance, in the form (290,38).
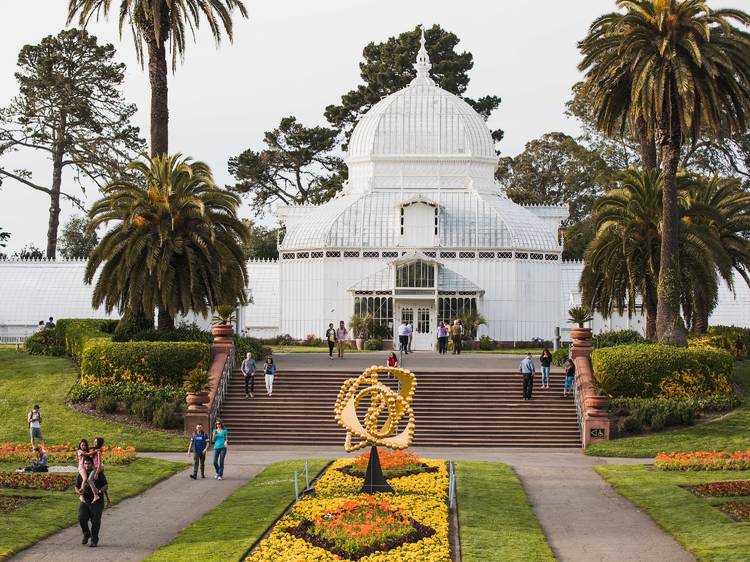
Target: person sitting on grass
(38,465)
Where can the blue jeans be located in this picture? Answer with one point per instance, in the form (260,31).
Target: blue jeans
(219,455)
(545,376)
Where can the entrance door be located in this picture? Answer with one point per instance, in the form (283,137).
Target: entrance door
(421,316)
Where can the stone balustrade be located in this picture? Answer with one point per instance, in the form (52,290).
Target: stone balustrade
(594,406)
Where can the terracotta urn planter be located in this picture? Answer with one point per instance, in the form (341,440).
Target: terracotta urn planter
(359,342)
(222,334)
(581,334)
(596,402)
(196,401)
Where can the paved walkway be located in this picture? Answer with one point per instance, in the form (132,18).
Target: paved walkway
(583,518)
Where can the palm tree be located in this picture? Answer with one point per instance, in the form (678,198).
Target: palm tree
(682,71)
(177,244)
(153,23)
(727,218)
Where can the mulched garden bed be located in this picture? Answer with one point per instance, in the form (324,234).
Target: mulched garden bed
(418,533)
(738,511)
(8,504)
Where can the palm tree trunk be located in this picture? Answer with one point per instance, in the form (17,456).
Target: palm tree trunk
(157,73)
(649,303)
(669,326)
(165,320)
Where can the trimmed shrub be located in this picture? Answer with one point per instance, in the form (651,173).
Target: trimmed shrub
(142,409)
(126,392)
(44,342)
(185,332)
(560,356)
(75,333)
(486,343)
(617,337)
(106,404)
(131,324)
(156,363)
(632,425)
(637,370)
(739,339)
(166,416)
(374,345)
(244,345)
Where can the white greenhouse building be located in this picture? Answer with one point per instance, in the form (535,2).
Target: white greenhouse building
(421,232)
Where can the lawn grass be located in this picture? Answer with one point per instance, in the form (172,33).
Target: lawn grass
(729,433)
(226,532)
(495,518)
(692,521)
(53,511)
(26,380)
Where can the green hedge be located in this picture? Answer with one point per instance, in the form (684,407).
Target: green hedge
(75,333)
(126,392)
(658,413)
(44,342)
(637,370)
(617,337)
(157,363)
(738,339)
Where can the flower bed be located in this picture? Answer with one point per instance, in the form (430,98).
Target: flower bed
(336,522)
(393,463)
(704,460)
(37,481)
(739,511)
(62,454)
(9,504)
(722,489)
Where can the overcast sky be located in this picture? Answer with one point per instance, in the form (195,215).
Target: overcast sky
(294,57)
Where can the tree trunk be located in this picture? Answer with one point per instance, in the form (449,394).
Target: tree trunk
(647,145)
(54,207)
(669,326)
(165,321)
(157,73)
(649,304)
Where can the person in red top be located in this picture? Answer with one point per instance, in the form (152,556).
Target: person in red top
(392,360)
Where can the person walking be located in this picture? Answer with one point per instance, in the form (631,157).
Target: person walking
(331,339)
(248,371)
(342,334)
(199,442)
(221,441)
(34,419)
(91,506)
(570,375)
(442,337)
(457,332)
(403,337)
(545,362)
(527,370)
(269,370)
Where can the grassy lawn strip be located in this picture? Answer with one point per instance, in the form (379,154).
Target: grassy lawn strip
(729,433)
(692,521)
(226,532)
(53,511)
(495,518)
(26,380)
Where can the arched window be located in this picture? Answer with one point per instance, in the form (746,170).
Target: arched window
(416,275)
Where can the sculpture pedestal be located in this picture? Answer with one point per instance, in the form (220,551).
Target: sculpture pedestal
(374,479)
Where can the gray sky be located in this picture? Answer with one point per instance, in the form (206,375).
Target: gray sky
(296,57)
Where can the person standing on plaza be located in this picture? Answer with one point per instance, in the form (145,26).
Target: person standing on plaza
(442,337)
(457,333)
(570,375)
(403,337)
(342,334)
(411,334)
(91,506)
(221,441)
(269,370)
(248,371)
(199,442)
(34,419)
(331,339)
(527,370)
(545,362)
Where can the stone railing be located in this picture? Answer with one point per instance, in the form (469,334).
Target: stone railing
(592,406)
(219,371)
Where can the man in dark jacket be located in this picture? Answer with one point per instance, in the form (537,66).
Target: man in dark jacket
(89,510)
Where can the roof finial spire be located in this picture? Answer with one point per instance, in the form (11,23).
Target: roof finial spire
(423,65)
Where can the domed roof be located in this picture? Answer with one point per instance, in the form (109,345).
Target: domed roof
(421,120)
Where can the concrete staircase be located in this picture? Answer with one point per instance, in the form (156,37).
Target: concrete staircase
(451,409)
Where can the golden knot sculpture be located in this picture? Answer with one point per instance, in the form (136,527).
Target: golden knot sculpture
(382,399)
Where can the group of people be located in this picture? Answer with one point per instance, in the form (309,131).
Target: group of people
(200,441)
(336,338)
(528,370)
(48,324)
(248,368)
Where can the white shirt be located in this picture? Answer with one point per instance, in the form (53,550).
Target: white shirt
(404,330)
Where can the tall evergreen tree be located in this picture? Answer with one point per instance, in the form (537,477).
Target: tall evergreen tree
(678,70)
(69,107)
